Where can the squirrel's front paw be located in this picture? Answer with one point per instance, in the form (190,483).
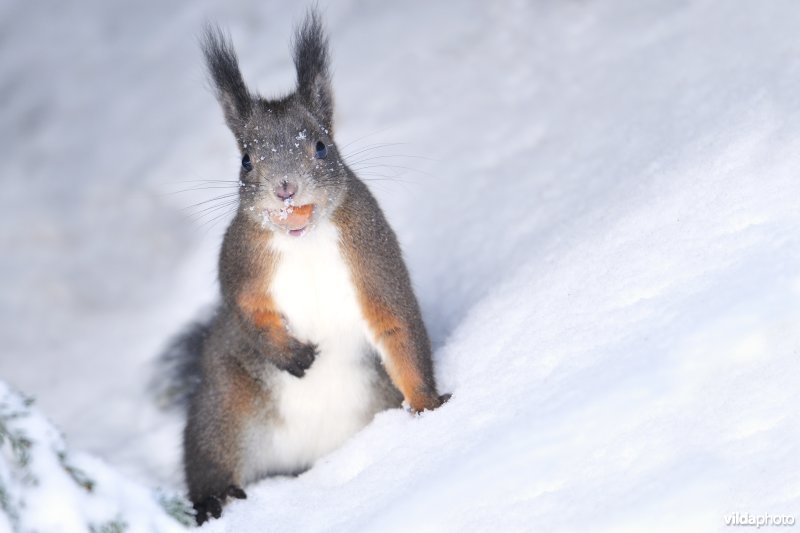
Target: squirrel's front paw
(300,358)
(438,402)
(428,403)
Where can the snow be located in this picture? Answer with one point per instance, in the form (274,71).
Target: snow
(599,204)
(46,488)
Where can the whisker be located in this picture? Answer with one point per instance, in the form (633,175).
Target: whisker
(370,147)
(365,136)
(384,181)
(210,223)
(388,156)
(223,197)
(411,169)
(205,181)
(205,211)
(172,193)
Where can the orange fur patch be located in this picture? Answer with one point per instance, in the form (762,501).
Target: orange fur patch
(259,307)
(391,333)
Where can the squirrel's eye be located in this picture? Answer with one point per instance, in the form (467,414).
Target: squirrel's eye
(322,150)
(246,163)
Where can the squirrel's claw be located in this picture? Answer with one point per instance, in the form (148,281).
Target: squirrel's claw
(212,506)
(301,358)
(209,506)
(235,491)
(433,402)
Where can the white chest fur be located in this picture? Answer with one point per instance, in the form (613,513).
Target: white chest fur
(312,287)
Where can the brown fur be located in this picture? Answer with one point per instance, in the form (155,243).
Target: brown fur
(386,297)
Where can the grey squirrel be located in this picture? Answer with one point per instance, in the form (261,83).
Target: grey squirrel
(318,328)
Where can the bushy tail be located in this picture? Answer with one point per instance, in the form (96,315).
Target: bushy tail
(178,374)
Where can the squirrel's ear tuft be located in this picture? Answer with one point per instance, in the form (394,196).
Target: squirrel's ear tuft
(311,61)
(223,68)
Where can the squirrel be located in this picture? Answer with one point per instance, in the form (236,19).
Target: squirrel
(318,328)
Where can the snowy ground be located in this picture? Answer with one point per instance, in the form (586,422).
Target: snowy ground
(601,217)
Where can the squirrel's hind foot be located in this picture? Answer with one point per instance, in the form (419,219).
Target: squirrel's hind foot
(211,507)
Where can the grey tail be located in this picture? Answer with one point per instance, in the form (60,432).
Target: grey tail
(178,374)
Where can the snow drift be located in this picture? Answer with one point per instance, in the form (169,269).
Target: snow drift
(601,217)
(45,487)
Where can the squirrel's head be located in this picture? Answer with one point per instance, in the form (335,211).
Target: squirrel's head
(291,173)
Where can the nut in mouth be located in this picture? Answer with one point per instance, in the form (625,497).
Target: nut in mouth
(292,218)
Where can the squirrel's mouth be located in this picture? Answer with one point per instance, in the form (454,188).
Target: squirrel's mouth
(294,219)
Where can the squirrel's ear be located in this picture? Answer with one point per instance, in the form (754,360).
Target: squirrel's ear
(311,62)
(223,68)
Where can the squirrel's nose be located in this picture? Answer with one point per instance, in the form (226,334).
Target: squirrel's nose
(285,190)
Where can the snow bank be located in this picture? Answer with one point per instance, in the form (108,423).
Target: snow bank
(45,487)
(608,256)
(599,205)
